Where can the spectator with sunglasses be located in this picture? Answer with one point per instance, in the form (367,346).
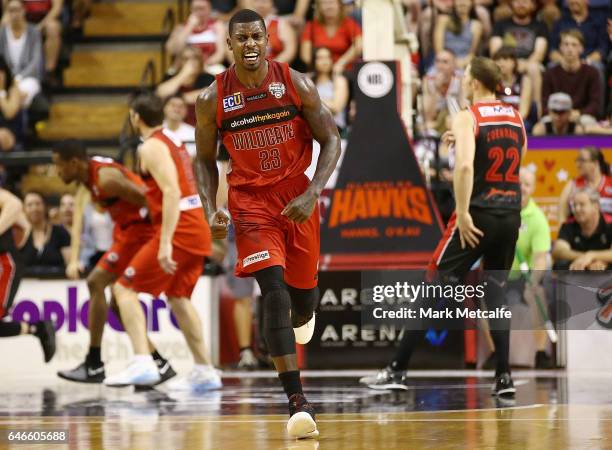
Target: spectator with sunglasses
(559,120)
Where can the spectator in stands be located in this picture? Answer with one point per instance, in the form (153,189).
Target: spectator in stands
(429,18)
(593,172)
(189,81)
(10,104)
(459,32)
(528,37)
(282,40)
(575,78)
(584,244)
(604,127)
(202,32)
(21,47)
(332,87)
(45,14)
(66,211)
(515,89)
(442,83)
(559,121)
(175,111)
(593,30)
(532,247)
(47,249)
(333,30)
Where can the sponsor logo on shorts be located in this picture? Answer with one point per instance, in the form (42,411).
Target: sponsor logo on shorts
(255,97)
(255,258)
(277,89)
(233,102)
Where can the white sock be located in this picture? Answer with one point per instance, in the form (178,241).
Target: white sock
(203,367)
(143,359)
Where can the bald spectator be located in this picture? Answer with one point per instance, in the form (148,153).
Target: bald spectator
(593,30)
(581,81)
(560,120)
(440,85)
(584,244)
(528,37)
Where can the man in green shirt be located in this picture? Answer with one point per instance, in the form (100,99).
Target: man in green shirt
(532,247)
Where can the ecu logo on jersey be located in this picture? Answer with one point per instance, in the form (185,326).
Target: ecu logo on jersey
(233,102)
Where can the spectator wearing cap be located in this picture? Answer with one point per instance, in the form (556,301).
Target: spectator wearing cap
(584,243)
(559,120)
(593,30)
(581,81)
(528,36)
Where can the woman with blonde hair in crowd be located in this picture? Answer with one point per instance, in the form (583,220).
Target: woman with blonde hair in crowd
(332,87)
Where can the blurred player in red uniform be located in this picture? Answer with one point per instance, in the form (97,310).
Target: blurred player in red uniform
(173,258)
(267,115)
(11,216)
(122,193)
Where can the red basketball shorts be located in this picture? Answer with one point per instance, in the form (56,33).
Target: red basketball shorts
(265,238)
(144,274)
(126,244)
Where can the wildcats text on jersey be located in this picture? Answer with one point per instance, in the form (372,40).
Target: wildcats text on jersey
(265,137)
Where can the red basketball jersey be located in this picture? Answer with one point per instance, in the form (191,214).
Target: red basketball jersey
(192,232)
(121,211)
(263,129)
(500,136)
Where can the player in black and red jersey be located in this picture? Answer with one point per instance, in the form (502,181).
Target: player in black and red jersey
(267,115)
(490,141)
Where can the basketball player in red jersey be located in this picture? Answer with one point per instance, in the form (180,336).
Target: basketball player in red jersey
(267,115)
(122,193)
(490,140)
(173,259)
(11,269)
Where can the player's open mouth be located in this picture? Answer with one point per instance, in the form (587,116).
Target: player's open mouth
(251,57)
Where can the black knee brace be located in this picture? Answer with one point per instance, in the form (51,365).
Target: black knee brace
(303,303)
(277,329)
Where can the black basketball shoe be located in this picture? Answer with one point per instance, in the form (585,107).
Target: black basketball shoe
(504,387)
(301,424)
(165,370)
(85,372)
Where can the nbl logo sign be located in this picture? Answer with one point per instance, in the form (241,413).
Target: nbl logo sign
(233,102)
(375,80)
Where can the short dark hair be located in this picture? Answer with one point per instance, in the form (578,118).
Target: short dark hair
(486,71)
(505,53)
(70,148)
(245,16)
(149,107)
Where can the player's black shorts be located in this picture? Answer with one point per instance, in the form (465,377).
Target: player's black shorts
(11,271)
(496,247)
